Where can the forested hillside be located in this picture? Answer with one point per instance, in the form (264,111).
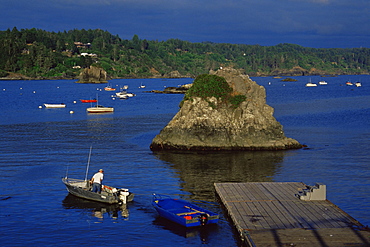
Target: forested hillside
(41,54)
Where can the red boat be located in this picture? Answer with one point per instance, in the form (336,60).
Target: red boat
(88,100)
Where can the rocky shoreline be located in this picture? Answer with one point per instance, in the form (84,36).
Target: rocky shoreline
(296,71)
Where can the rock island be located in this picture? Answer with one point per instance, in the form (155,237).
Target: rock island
(224,110)
(93,74)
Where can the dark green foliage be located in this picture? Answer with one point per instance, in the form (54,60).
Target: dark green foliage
(236,100)
(38,53)
(3,73)
(206,86)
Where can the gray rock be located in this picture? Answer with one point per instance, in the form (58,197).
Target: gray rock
(251,126)
(93,75)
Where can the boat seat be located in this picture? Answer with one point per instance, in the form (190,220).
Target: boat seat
(181,211)
(187,213)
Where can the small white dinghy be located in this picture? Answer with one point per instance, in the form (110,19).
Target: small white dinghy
(55,105)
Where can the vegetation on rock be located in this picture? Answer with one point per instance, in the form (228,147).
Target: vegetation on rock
(251,126)
(206,86)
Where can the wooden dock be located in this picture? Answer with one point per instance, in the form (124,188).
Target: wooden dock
(271,214)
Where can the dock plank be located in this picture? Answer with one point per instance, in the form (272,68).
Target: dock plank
(314,211)
(270,214)
(292,206)
(268,209)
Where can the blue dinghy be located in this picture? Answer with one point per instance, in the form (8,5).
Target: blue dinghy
(183,212)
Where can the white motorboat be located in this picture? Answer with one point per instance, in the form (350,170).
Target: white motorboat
(55,105)
(323,83)
(124,95)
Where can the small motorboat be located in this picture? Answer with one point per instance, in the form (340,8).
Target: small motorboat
(88,100)
(323,83)
(124,95)
(82,188)
(183,212)
(109,88)
(55,105)
(348,83)
(99,109)
(358,84)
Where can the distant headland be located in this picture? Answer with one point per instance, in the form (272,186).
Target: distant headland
(37,54)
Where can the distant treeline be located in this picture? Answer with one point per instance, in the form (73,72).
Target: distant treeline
(41,54)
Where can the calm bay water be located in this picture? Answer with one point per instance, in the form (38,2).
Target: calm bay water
(39,146)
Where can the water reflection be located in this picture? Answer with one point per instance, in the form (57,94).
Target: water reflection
(98,210)
(199,171)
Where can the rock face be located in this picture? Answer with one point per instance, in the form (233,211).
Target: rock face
(250,126)
(93,75)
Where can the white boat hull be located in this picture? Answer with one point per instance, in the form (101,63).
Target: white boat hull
(99,109)
(311,85)
(55,105)
(124,95)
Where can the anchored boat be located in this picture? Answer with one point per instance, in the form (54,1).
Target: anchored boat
(55,105)
(183,212)
(99,109)
(88,100)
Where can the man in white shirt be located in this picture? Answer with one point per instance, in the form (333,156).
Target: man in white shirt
(97,181)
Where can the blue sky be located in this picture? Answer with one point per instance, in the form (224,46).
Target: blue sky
(310,23)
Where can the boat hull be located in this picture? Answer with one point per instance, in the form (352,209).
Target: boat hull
(99,109)
(88,100)
(311,85)
(55,105)
(183,212)
(82,189)
(124,95)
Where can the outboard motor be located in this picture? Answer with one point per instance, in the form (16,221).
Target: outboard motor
(123,194)
(203,219)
